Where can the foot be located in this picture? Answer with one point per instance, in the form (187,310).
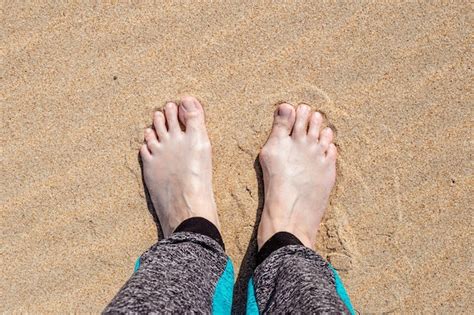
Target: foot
(177,165)
(299,171)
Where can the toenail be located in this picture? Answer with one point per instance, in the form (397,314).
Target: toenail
(284,111)
(188,104)
(304,108)
(148,130)
(169,105)
(318,115)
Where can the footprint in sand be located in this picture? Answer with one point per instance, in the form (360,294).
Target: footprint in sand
(131,159)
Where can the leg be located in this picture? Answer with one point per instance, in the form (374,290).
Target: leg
(299,169)
(187,270)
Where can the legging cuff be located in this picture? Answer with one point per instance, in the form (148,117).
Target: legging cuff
(277,241)
(201,226)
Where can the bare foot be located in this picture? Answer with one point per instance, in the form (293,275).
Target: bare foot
(177,165)
(299,171)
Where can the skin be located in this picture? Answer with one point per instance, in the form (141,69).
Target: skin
(298,163)
(299,170)
(177,165)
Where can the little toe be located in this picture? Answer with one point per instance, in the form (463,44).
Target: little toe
(315,126)
(171,114)
(151,140)
(331,152)
(144,152)
(160,125)
(191,113)
(326,138)
(301,125)
(283,120)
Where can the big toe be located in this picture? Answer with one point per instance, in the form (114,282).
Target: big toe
(283,120)
(191,113)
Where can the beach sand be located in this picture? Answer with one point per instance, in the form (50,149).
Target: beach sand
(79,84)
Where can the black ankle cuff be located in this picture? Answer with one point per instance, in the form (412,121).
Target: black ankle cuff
(277,241)
(201,226)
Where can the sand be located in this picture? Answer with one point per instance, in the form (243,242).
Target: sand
(80,81)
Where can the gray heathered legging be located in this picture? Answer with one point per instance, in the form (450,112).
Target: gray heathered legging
(189,272)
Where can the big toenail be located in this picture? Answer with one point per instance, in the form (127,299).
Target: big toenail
(189,105)
(284,111)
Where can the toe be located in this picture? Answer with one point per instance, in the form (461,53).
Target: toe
(160,125)
(151,140)
(144,152)
(171,113)
(326,138)
(191,113)
(331,152)
(283,120)
(315,125)
(301,125)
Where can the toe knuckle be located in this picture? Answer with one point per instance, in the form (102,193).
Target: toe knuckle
(266,152)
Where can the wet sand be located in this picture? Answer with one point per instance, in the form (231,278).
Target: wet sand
(79,84)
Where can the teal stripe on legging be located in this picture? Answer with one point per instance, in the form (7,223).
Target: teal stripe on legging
(252,307)
(222,299)
(137,265)
(341,291)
